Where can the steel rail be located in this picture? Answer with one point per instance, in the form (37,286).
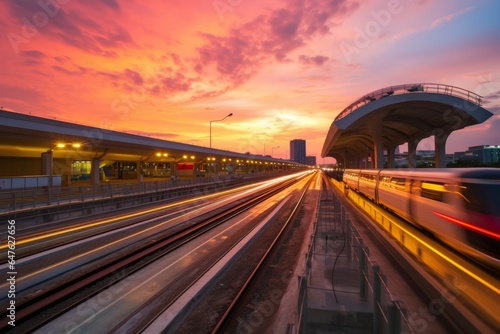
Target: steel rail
(163,308)
(245,291)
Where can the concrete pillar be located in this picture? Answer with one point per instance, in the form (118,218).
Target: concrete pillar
(119,170)
(440,149)
(342,159)
(357,160)
(47,163)
(349,163)
(140,177)
(347,160)
(173,169)
(391,156)
(412,151)
(94,171)
(213,168)
(375,127)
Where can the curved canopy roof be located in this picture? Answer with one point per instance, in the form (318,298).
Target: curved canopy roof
(402,113)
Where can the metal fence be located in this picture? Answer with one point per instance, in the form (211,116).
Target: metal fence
(35,198)
(388,313)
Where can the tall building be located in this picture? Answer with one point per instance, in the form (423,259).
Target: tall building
(311,160)
(298,151)
(485,153)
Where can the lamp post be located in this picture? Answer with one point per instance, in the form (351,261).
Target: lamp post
(272,150)
(219,120)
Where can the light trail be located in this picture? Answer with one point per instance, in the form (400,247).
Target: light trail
(132,215)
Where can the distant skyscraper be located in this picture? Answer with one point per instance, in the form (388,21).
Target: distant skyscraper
(298,151)
(311,160)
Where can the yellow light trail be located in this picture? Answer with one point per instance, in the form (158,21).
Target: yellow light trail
(99,248)
(448,259)
(102,222)
(112,243)
(437,252)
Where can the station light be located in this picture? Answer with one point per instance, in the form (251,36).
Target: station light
(63,145)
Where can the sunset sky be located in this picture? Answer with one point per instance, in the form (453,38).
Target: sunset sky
(285,69)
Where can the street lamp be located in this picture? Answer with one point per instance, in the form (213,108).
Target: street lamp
(219,120)
(272,150)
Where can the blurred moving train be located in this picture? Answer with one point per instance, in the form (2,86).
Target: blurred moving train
(459,206)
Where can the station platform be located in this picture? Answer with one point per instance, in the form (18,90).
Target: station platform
(340,289)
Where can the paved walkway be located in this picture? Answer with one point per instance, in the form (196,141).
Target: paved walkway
(337,298)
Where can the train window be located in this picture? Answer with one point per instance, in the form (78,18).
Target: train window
(368,177)
(398,183)
(385,179)
(433,190)
(482,198)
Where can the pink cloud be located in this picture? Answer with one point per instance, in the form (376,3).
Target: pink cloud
(11,92)
(315,60)
(241,53)
(66,71)
(70,24)
(450,17)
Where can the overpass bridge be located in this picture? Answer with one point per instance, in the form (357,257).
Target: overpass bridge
(386,118)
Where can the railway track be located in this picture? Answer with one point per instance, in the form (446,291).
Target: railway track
(229,322)
(51,235)
(50,304)
(224,298)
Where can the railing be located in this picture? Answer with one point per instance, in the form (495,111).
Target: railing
(389,314)
(33,181)
(36,198)
(413,88)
